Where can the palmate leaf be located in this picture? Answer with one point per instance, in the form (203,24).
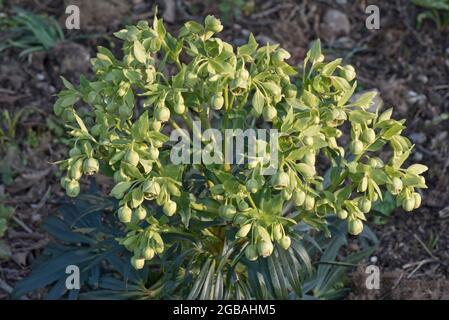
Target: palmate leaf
(280,276)
(287,274)
(188,268)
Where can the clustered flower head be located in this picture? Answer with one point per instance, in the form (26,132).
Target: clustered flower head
(198,76)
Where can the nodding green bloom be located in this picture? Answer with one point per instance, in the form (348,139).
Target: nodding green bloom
(64,180)
(243,206)
(140,213)
(240,219)
(363,184)
(191,79)
(348,72)
(291,91)
(244,230)
(355,226)
(76,171)
(213,24)
(299,197)
(279,56)
(269,113)
(286,194)
(277,232)
(251,252)
(227,212)
(148,253)
(308,141)
(408,204)
(286,242)
(137,263)
(90,166)
(342,214)
(74,152)
(309,202)
(153,152)
(162,114)
(265,248)
(416,199)
(280,181)
(310,159)
(397,185)
(356,147)
(256,86)
(155,125)
(376,162)
(365,205)
(169,208)
(180,108)
(125,214)
(120,176)
(369,136)
(132,157)
(72,188)
(252,185)
(217,102)
(151,189)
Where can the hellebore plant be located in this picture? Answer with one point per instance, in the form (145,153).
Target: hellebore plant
(196,76)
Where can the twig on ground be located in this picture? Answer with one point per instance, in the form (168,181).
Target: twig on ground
(22,224)
(425,247)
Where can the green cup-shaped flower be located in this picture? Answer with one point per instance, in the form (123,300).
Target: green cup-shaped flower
(369,136)
(342,214)
(132,157)
(217,102)
(251,252)
(243,231)
(416,199)
(265,248)
(148,253)
(227,211)
(137,263)
(90,166)
(286,242)
(162,114)
(151,189)
(408,204)
(309,202)
(365,205)
(125,214)
(356,147)
(299,197)
(280,180)
(348,72)
(72,188)
(355,226)
(169,208)
(213,24)
(140,213)
(269,113)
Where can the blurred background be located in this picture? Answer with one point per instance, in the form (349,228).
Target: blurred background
(406,60)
